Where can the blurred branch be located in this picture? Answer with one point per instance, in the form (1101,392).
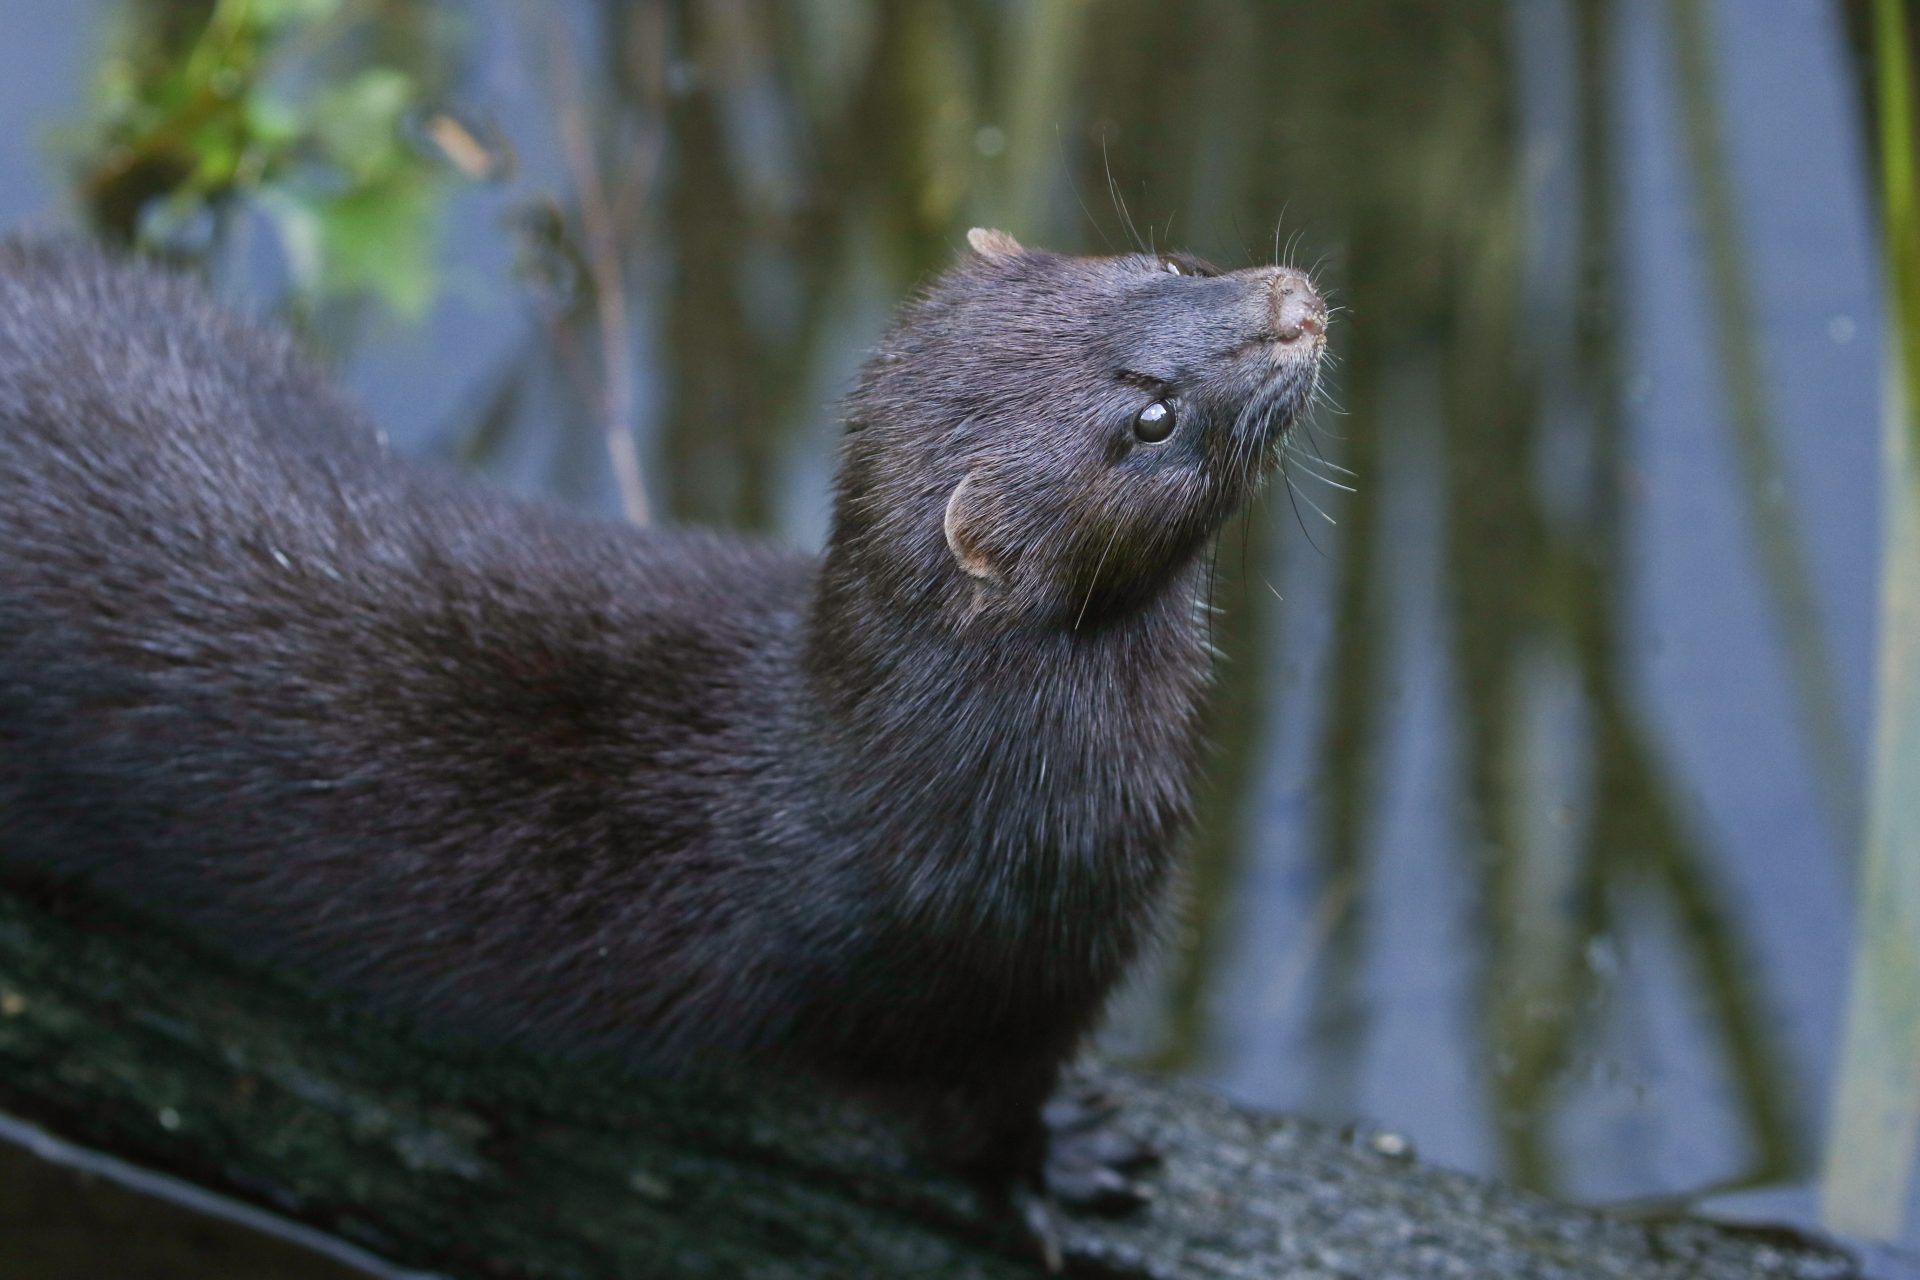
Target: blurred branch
(1045,45)
(1640,831)
(604,256)
(1636,839)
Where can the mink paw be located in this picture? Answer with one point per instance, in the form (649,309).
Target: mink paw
(1091,1164)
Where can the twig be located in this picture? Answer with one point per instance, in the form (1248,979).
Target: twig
(600,234)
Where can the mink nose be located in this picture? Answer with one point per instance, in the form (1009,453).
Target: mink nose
(1293,307)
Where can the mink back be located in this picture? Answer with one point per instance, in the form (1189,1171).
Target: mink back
(476,758)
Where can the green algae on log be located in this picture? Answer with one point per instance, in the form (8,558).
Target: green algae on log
(472,1162)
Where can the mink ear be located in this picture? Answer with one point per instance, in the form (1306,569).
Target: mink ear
(989,243)
(961,540)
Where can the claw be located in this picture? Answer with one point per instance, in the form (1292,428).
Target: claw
(1089,1160)
(1117,1149)
(1045,1226)
(1095,1187)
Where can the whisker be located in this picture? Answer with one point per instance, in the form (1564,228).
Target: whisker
(1233,220)
(1074,186)
(1322,396)
(1321,459)
(1326,480)
(1298,519)
(1094,582)
(1304,498)
(1213,576)
(1119,202)
(1306,468)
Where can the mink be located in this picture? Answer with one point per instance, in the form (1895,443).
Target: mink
(901,814)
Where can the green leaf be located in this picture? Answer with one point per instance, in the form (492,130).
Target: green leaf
(357,124)
(273,122)
(381,240)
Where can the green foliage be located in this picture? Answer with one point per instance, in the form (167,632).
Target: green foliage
(273,106)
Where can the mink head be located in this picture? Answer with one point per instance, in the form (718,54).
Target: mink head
(1049,440)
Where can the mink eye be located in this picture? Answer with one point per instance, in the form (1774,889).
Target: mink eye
(1154,423)
(1172,268)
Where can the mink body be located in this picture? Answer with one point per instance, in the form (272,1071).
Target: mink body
(901,814)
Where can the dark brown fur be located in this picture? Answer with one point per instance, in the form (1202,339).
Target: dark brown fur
(902,815)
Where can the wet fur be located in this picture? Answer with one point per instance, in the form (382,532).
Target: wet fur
(669,794)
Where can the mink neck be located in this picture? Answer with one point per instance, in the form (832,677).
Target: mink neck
(967,747)
(872,642)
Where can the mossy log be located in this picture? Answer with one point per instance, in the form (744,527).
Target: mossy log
(471,1162)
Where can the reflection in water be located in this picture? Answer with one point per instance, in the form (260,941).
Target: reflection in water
(1441,676)
(1744,382)
(1868,1177)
